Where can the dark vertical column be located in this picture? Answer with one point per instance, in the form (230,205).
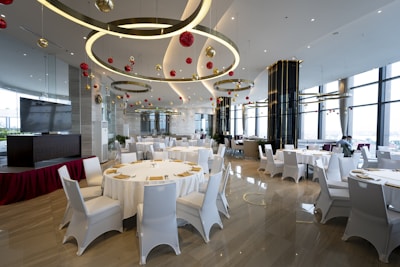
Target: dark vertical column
(223,117)
(283,86)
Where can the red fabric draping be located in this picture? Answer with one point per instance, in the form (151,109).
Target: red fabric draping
(25,185)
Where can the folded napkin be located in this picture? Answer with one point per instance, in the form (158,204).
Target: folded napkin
(363,176)
(196,169)
(184,174)
(138,161)
(121,176)
(154,178)
(178,160)
(118,165)
(357,171)
(191,163)
(109,171)
(157,160)
(372,169)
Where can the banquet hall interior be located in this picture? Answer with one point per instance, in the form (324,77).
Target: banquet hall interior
(144,88)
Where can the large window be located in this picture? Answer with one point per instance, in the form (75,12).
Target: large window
(331,113)
(309,114)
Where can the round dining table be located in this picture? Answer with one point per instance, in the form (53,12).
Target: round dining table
(179,152)
(307,156)
(125,182)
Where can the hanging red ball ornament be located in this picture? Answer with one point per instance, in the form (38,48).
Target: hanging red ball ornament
(95,86)
(247,98)
(180,98)
(209,65)
(131,105)
(186,39)
(128,96)
(229,92)
(211,99)
(110,60)
(189,60)
(85,73)
(172,73)
(3,24)
(84,66)
(231,73)
(159,99)
(127,68)
(6,2)
(145,100)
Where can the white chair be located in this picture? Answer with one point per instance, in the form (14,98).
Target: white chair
(162,146)
(118,151)
(217,164)
(236,147)
(227,144)
(87,193)
(313,147)
(139,153)
(346,165)
(128,157)
(274,166)
(220,153)
(331,202)
(191,156)
(160,155)
(200,210)
(267,146)
(222,202)
(263,159)
(289,146)
(203,159)
(92,218)
(93,172)
(389,164)
(291,168)
(156,219)
(332,173)
(371,219)
(382,155)
(368,160)
(356,157)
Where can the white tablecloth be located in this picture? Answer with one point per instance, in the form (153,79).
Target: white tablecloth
(176,151)
(144,146)
(307,156)
(129,191)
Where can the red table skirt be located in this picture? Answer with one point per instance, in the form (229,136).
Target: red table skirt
(25,185)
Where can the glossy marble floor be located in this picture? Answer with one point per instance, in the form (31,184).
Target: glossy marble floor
(271,224)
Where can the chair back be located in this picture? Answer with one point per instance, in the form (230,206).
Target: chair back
(290,158)
(356,158)
(226,142)
(317,171)
(217,164)
(389,164)
(367,199)
(270,155)
(74,195)
(210,196)
(128,157)
(261,153)
(267,146)
(203,159)
(333,171)
(191,156)
(159,203)
(221,150)
(118,150)
(346,165)
(322,181)
(63,172)
(382,154)
(337,149)
(93,172)
(160,155)
(313,147)
(289,146)
(133,147)
(227,174)
(365,153)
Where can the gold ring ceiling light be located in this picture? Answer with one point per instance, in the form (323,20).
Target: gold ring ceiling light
(239,85)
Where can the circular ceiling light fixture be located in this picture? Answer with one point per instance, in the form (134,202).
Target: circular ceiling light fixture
(236,85)
(161,23)
(143,87)
(108,28)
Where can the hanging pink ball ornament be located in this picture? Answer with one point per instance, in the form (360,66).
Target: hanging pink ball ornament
(186,39)
(84,66)
(209,65)
(6,2)
(189,60)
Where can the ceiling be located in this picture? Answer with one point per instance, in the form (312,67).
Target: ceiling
(333,39)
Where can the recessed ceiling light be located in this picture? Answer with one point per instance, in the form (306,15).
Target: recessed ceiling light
(232,18)
(308,46)
(25,54)
(312,20)
(2,15)
(379,11)
(265,50)
(72,53)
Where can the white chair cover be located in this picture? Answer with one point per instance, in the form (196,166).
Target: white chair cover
(156,219)
(274,166)
(291,168)
(93,172)
(263,159)
(128,157)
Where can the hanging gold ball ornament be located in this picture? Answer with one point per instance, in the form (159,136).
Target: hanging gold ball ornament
(210,51)
(171,103)
(215,71)
(158,67)
(195,76)
(236,95)
(233,99)
(87,87)
(104,5)
(43,43)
